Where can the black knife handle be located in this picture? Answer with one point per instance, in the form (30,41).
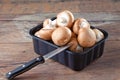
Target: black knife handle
(25,67)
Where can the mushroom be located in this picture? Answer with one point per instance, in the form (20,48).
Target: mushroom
(99,35)
(46,32)
(65,19)
(61,36)
(79,49)
(49,24)
(80,23)
(86,37)
(74,46)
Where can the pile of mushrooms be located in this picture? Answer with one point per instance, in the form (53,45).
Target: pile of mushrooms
(66,30)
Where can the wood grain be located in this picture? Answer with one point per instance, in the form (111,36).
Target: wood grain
(107,65)
(96,17)
(17,17)
(32,7)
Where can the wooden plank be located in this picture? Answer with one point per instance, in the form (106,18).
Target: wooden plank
(10,56)
(112,30)
(32,1)
(16,47)
(43,7)
(92,17)
(5,1)
(10,33)
(107,65)
(7,17)
(12,51)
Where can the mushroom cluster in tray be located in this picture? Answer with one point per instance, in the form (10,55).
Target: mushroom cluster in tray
(65,29)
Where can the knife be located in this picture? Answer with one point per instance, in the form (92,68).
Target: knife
(29,65)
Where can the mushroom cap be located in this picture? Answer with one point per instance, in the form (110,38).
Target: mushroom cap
(86,37)
(44,33)
(49,24)
(80,23)
(65,19)
(99,35)
(61,36)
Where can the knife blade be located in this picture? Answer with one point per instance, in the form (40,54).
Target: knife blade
(29,65)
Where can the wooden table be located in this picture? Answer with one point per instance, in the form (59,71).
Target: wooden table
(17,17)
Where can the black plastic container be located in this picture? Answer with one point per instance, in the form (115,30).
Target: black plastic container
(75,61)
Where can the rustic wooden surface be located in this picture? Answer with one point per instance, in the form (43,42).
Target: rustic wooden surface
(16,48)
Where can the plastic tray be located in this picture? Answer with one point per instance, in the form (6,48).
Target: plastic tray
(75,61)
